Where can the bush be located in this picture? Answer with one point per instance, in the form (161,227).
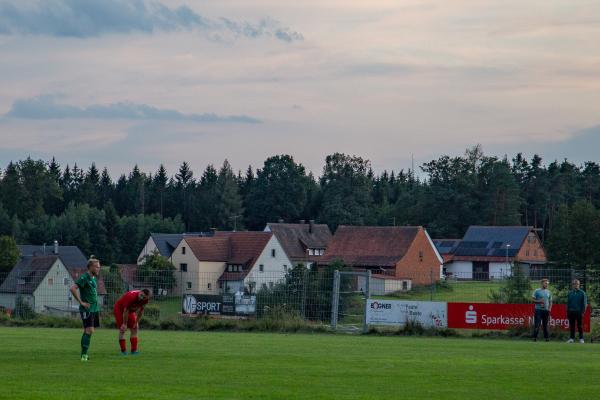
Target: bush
(22,309)
(152,311)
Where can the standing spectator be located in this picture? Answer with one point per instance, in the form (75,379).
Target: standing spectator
(576,305)
(543,304)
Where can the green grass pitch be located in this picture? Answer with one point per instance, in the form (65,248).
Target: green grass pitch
(38,363)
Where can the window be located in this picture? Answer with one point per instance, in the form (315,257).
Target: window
(209,286)
(183,250)
(220,285)
(284,268)
(229,268)
(189,285)
(420,255)
(261,268)
(66,281)
(50,281)
(404,285)
(183,267)
(311,252)
(527,253)
(271,285)
(272,252)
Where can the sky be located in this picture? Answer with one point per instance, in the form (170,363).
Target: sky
(126,82)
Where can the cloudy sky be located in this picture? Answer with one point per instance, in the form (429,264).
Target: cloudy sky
(124,82)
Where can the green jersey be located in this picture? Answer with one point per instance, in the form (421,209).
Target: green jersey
(88,292)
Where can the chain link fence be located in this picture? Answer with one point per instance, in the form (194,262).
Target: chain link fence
(301,293)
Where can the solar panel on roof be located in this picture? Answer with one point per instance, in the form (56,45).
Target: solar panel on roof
(477,252)
(496,245)
(504,253)
(473,245)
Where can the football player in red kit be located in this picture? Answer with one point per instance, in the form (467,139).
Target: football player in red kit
(128,311)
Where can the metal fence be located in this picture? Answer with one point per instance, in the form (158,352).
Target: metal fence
(300,292)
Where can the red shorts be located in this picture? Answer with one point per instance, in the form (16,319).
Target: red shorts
(131,319)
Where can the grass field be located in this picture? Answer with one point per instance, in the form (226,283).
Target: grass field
(454,291)
(44,364)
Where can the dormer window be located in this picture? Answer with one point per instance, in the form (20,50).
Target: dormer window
(311,252)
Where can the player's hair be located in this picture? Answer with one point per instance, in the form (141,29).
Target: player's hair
(146,292)
(575,280)
(545,280)
(92,261)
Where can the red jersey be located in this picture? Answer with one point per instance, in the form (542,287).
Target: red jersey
(130,301)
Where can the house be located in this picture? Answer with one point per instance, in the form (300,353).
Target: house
(43,282)
(228,262)
(490,252)
(398,257)
(165,243)
(303,243)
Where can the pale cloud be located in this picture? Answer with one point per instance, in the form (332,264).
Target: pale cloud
(46,107)
(83,19)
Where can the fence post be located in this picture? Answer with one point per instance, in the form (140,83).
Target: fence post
(367,296)
(335,297)
(304,282)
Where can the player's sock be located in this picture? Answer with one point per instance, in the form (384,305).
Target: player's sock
(134,343)
(85,343)
(123,346)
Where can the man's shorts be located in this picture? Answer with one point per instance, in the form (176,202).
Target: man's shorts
(131,319)
(90,319)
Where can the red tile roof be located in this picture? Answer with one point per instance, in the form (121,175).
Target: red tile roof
(239,248)
(209,248)
(245,247)
(377,246)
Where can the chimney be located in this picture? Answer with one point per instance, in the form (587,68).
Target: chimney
(302,221)
(56,247)
(311,223)
(280,220)
(44,249)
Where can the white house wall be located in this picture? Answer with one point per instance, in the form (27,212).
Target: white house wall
(57,295)
(274,268)
(460,269)
(148,249)
(380,286)
(499,270)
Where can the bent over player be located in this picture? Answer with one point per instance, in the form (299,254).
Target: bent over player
(128,311)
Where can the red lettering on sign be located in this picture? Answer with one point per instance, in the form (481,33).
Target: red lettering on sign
(505,316)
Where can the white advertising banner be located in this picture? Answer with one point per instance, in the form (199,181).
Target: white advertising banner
(430,314)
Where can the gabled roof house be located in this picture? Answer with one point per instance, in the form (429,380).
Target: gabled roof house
(304,243)
(490,252)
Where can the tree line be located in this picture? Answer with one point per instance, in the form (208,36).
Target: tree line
(41,201)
